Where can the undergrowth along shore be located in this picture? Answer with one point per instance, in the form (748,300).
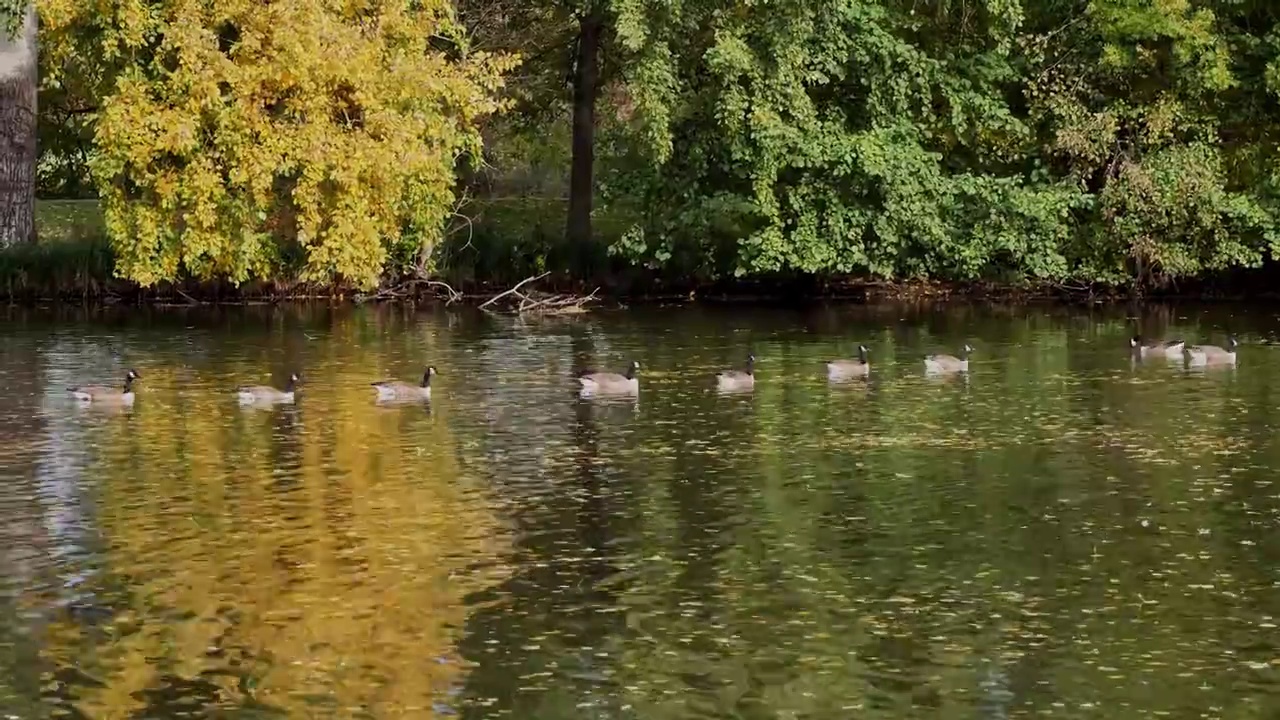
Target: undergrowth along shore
(73,263)
(82,272)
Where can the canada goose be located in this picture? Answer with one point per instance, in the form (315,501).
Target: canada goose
(948,363)
(850,368)
(106,393)
(1212,354)
(607,383)
(264,394)
(738,379)
(1171,349)
(395,389)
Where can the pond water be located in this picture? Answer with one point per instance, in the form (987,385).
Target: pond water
(1063,533)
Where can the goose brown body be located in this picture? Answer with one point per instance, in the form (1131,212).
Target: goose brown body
(399,390)
(850,368)
(1171,349)
(948,363)
(249,394)
(1199,355)
(738,379)
(607,383)
(107,393)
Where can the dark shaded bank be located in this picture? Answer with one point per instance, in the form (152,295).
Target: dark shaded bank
(74,263)
(85,277)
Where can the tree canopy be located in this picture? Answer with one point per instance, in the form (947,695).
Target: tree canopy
(230,134)
(1092,140)
(1089,140)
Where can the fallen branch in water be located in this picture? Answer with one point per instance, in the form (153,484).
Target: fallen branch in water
(513,291)
(409,288)
(453,295)
(190,300)
(534,302)
(557,304)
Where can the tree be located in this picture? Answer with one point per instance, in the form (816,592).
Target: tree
(1118,141)
(562,45)
(18,83)
(239,140)
(586,81)
(830,137)
(1161,113)
(1092,139)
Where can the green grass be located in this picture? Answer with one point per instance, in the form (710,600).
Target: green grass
(514,238)
(60,221)
(510,239)
(71,259)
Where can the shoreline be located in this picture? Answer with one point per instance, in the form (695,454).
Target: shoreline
(74,265)
(570,292)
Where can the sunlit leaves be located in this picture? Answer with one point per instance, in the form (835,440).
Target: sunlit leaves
(1044,140)
(916,139)
(235,134)
(1173,212)
(1133,32)
(827,128)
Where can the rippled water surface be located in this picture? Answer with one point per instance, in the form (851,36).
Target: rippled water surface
(1063,533)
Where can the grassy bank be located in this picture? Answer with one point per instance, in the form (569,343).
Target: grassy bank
(505,242)
(71,259)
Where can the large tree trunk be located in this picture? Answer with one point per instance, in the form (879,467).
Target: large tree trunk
(586,78)
(18,133)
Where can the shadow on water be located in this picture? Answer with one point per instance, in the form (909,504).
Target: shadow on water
(1061,530)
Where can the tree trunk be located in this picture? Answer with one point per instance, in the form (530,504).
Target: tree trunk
(586,77)
(18,133)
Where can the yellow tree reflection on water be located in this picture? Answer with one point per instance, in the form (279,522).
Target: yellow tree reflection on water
(315,558)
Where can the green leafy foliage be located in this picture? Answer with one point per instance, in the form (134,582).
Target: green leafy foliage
(11,15)
(1103,140)
(1107,141)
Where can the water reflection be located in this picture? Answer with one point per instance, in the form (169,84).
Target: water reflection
(1057,531)
(403,404)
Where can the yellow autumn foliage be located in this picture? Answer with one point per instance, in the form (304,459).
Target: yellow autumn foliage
(236,134)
